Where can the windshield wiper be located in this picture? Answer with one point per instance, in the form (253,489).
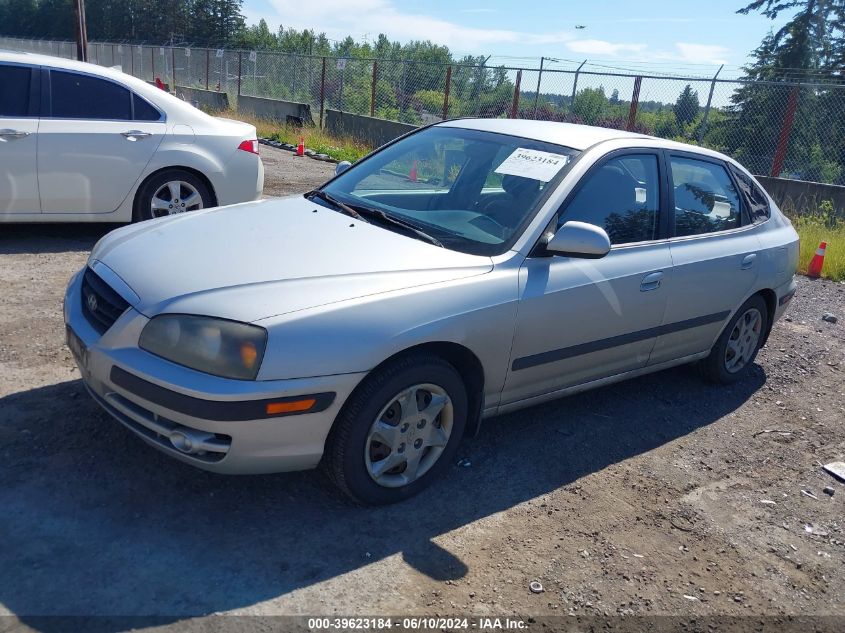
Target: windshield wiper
(345,208)
(407,226)
(358,211)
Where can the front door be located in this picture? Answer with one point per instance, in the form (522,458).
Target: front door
(584,319)
(88,156)
(18,139)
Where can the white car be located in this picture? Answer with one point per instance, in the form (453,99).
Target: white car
(83,143)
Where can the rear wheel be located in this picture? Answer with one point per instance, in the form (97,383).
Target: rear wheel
(170,192)
(398,431)
(735,350)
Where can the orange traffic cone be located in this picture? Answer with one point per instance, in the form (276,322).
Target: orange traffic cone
(815,268)
(412,175)
(300,149)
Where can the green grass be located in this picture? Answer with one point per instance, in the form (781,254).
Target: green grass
(323,143)
(822,226)
(315,138)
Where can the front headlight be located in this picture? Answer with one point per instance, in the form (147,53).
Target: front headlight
(215,346)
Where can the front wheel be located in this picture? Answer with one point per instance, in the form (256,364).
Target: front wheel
(170,192)
(735,350)
(398,431)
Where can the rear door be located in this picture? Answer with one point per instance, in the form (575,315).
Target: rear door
(95,139)
(19,105)
(714,250)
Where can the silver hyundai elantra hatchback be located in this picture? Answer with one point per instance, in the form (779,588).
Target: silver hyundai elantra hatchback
(468,269)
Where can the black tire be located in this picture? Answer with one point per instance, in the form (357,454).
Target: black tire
(143,199)
(343,460)
(714,368)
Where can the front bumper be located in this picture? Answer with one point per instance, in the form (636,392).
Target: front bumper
(196,417)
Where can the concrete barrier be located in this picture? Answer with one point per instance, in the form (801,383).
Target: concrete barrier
(375,132)
(802,197)
(276,110)
(208,99)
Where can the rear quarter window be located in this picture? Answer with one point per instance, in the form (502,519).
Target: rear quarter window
(758,204)
(143,111)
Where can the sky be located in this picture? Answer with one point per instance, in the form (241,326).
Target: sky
(664,35)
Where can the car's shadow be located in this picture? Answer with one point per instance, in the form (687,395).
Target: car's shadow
(96,522)
(50,238)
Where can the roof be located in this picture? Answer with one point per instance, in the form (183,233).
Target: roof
(578,137)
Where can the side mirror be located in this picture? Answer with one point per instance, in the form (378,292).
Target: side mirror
(579,239)
(342,166)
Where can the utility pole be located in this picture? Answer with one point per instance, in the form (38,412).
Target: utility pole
(81,30)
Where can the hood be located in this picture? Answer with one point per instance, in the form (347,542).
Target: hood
(260,259)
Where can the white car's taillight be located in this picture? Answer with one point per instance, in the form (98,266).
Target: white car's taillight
(249,146)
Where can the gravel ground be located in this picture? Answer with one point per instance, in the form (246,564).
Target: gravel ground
(662,495)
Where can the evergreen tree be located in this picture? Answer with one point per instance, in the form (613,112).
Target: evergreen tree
(687,106)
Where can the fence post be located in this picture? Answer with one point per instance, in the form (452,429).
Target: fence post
(173,63)
(322,92)
(240,61)
(703,128)
(446,93)
(132,60)
(207,65)
(153,60)
(537,94)
(785,132)
(373,92)
(575,85)
(515,104)
(112,54)
(635,100)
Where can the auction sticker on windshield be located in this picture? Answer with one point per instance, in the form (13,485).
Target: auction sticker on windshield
(532,163)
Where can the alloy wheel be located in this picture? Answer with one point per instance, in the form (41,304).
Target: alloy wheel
(743,341)
(409,435)
(176,196)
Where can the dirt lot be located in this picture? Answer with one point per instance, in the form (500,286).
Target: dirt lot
(641,498)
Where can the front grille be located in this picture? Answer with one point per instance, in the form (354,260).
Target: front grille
(100,304)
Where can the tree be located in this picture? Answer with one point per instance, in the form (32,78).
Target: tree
(590,104)
(686,106)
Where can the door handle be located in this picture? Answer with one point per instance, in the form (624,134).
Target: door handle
(651,281)
(7,133)
(748,261)
(134,135)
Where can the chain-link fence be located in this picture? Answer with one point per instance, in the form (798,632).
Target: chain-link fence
(792,130)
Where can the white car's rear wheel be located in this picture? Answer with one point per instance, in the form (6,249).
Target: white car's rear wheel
(170,192)
(398,431)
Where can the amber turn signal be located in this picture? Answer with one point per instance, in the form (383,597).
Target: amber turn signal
(294,406)
(249,354)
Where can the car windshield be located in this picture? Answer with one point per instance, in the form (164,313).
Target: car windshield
(472,191)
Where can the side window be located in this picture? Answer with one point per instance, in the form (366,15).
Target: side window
(143,111)
(758,203)
(622,197)
(14,91)
(77,96)
(706,200)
